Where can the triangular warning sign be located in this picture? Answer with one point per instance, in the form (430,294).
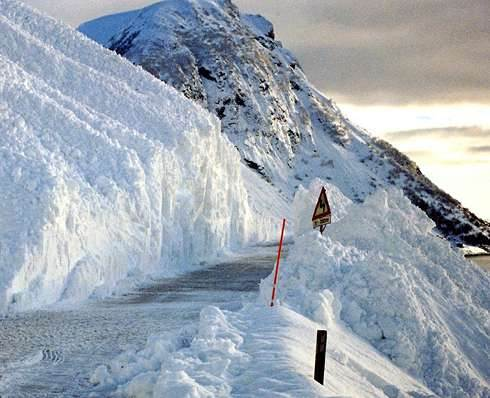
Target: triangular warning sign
(322,214)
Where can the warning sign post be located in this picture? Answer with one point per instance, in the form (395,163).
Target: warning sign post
(322,216)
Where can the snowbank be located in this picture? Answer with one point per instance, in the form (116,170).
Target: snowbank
(406,316)
(193,364)
(258,351)
(229,354)
(380,271)
(106,173)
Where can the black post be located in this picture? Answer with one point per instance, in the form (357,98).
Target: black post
(321,351)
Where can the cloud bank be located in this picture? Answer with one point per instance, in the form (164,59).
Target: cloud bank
(388,52)
(364,52)
(455,158)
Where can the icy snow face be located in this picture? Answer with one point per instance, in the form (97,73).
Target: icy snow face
(381,271)
(285,130)
(105,171)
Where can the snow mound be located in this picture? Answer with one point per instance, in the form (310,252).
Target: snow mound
(380,271)
(258,351)
(305,201)
(106,173)
(193,364)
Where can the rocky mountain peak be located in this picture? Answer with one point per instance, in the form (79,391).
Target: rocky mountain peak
(283,127)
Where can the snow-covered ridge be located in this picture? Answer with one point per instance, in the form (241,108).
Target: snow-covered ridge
(106,173)
(283,127)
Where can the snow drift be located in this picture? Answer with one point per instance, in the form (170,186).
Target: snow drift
(380,271)
(105,171)
(196,363)
(407,316)
(258,351)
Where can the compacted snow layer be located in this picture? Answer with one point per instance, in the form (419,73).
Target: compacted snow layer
(380,271)
(106,173)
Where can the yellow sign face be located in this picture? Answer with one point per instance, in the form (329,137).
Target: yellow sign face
(322,214)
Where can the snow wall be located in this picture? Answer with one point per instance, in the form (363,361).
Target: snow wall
(105,172)
(380,270)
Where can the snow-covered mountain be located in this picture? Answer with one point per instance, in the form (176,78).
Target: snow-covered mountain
(105,172)
(285,129)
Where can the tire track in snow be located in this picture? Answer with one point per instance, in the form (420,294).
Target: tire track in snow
(51,353)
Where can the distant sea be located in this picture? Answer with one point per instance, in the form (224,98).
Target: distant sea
(482,261)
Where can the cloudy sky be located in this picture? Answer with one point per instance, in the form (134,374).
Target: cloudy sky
(414,72)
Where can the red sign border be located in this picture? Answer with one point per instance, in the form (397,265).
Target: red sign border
(328,211)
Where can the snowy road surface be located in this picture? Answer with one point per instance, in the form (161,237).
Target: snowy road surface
(52,353)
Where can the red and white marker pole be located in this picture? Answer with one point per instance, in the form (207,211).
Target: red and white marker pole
(276,274)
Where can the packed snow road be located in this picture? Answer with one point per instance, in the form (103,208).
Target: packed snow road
(52,353)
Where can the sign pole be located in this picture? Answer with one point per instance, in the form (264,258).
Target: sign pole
(321,353)
(274,287)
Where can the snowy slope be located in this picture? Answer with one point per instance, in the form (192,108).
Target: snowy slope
(283,127)
(381,272)
(257,352)
(406,316)
(106,172)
